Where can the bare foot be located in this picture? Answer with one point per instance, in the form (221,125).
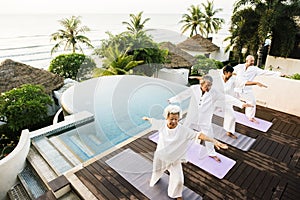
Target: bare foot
(231,135)
(179,198)
(216,158)
(254,120)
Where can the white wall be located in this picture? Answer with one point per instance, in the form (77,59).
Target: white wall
(282,94)
(13,164)
(286,66)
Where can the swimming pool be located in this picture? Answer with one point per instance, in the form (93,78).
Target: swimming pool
(118,104)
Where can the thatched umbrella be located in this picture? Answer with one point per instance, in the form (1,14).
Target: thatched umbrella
(177,57)
(198,43)
(14,74)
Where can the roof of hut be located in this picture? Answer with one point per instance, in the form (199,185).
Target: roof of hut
(14,74)
(177,57)
(198,43)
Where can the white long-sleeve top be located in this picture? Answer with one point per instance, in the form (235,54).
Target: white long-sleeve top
(202,106)
(250,73)
(229,86)
(172,143)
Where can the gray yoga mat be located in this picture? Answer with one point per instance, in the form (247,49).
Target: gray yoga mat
(243,142)
(137,170)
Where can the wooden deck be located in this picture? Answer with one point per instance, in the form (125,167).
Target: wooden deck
(269,170)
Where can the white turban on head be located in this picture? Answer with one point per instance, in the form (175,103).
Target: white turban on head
(173,109)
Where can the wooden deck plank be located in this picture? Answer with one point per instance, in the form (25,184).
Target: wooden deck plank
(283,153)
(281,126)
(238,172)
(124,185)
(250,179)
(114,190)
(276,123)
(243,177)
(277,151)
(85,178)
(112,179)
(268,144)
(259,143)
(296,132)
(289,155)
(291,129)
(257,182)
(272,188)
(272,148)
(264,185)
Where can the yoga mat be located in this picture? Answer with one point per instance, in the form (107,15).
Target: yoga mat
(243,142)
(197,155)
(241,118)
(137,170)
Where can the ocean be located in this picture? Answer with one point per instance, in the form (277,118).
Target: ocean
(26,37)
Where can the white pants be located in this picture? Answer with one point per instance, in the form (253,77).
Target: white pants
(176,178)
(207,130)
(249,97)
(229,119)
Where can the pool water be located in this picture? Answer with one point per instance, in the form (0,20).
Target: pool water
(118,104)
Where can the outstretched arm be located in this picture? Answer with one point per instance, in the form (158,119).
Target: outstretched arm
(255,83)
(181,96)
(217,144)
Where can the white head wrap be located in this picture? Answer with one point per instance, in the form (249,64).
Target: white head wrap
(173,109)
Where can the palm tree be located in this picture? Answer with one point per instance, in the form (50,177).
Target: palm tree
(244,31)
(116,63)
(70,35)
(211,23)
(136,24)
(265,19)
(193,20)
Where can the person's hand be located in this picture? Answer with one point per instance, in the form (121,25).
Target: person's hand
(245,105)
(146,118)
(261,85)
(219,145)
(195,77)
(283,75)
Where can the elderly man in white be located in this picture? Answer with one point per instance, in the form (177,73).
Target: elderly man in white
(202,106)
(225,82)
(248,72)
(171,148)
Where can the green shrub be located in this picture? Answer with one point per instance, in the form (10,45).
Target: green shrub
(75,66)
(204,65)
(295,76)
(24,107)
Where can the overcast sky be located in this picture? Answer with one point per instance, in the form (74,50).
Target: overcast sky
(104,6)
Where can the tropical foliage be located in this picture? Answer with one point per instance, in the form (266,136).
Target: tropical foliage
(205,64)
(211,23)
(139,47)
(70,36)
(204,21)
(192,21)
(255,21)
(75,66)
(24,107)
(295,76)
(136,23)
(116,63)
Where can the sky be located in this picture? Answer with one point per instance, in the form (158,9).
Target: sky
(103,6)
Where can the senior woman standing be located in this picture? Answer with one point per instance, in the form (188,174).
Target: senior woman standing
(171,148)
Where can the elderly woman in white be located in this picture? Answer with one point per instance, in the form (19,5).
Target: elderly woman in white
(172,147)
(202,106)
